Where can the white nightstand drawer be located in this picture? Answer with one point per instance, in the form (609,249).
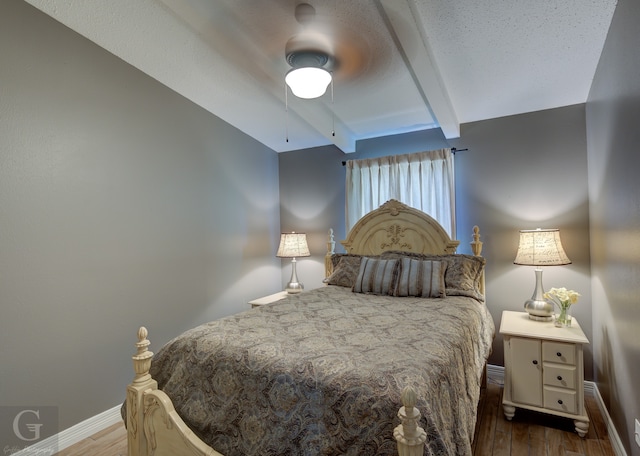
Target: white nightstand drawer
(558,352)
(560,399)
(560,376)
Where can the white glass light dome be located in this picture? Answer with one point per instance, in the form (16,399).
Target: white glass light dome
(308,82)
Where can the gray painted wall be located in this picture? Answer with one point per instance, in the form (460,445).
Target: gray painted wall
(613,121)
(121,204)
(526,172)
(311,188)
(520,172)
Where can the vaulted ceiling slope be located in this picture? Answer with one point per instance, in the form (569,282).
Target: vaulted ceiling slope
(400,65)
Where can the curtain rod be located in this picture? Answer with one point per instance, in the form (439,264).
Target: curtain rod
(453,151)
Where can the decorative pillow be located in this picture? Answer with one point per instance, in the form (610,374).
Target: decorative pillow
(421,278)
(462,275)
(376,276)
(345,270)
(337,257)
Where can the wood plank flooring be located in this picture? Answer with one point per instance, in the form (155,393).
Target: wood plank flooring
(111,441)
(535,434)
(529,433)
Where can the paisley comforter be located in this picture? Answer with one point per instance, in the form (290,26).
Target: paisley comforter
(320,373)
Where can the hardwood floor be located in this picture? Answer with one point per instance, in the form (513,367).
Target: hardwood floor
(535,434)
(528,433)
(111,441)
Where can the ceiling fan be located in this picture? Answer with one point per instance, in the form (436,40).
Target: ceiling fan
(340,41)
(310,56)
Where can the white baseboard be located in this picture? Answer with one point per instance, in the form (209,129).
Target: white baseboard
(616,443)
(495,374)
(74,434)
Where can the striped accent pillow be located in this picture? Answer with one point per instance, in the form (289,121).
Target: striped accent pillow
(420,278)
(376,276)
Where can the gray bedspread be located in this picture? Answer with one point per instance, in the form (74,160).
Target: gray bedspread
(320,373)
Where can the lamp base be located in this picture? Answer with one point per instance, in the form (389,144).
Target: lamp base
(294,287)
(537,307)
(539,310)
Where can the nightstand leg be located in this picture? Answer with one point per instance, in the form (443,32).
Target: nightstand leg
(509,411)
(581,427)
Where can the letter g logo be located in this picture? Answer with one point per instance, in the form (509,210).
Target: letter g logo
(33,428)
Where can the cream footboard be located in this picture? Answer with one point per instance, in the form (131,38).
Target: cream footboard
(155,428)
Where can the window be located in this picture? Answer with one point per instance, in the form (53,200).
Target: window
(422,180)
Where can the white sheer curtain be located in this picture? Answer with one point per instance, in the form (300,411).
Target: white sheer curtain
(423,180)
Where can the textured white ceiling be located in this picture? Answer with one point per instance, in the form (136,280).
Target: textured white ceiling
(402,65)
(503,57)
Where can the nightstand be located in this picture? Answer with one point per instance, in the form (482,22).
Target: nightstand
(268,299)
(544,369)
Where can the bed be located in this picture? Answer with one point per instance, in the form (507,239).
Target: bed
(387,358)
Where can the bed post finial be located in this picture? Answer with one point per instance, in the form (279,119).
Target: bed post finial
(476,248)
(142,359)
(408,434)
(142,382)
(476,244)
(331,249)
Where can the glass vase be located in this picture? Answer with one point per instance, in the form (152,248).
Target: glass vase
(563,319)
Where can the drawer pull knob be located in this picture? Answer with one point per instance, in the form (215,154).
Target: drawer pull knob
(560,401)
(560,377)
(559,354)
(535,361)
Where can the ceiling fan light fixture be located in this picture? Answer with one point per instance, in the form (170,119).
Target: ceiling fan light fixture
(308,82)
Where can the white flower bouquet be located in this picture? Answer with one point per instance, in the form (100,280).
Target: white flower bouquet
(562,298)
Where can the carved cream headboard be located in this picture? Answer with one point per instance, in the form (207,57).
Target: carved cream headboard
(396,226)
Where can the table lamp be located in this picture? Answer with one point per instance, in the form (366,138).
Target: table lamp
(293,245)
(538,248)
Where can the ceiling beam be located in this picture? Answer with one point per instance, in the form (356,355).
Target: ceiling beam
(400,18)
(320,116)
